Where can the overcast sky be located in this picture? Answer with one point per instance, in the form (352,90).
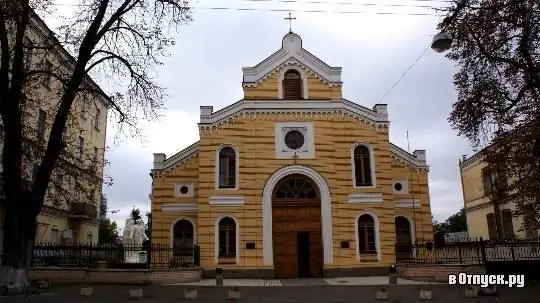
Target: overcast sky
(373,50)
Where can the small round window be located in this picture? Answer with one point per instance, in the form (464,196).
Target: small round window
(294,139)
(184,190)
(398,186)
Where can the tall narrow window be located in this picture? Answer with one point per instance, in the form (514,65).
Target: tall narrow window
(84,104)
(183,238)
(508,225)
(42,117)
(366,235)
(47,67)
(227,168)
(492,226)
(55,237)
(362,166)
(487,183)
(227,238)
(28,53)
(96,118)
(80,148)
(292,85)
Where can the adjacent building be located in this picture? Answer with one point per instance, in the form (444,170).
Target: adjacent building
(293,180)
(71,209)
(483,201)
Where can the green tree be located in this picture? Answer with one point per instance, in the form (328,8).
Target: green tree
(135,214)
(455,223)
(120,41)
(149,224)
(496,48)
(108,232)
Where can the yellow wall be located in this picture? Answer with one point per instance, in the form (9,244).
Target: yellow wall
(268,89)
(255,141)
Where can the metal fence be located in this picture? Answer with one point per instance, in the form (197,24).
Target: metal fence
(153,256)
(473,251)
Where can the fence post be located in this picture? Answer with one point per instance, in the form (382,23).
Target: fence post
(90,252)
(512,251)
(483,250)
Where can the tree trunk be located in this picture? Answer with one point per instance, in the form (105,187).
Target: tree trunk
(19,235)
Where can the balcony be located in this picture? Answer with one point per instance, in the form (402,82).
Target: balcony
(83,211)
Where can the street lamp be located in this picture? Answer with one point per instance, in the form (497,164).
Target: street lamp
(441,42)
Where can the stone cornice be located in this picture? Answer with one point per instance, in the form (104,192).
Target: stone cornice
(377,117)
(416,160)
(291,53)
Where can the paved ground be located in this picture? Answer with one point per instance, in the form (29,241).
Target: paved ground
(312,294)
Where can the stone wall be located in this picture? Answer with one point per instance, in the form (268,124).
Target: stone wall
(115,276)
(436,272)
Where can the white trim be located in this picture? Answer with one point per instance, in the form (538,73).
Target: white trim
(326,211)
(237,168)
(305,152)
(291,51)
(371,164)
(411,226)
(407,203)
(377,239)
(365,198)
(216,238)
(179,185)
(303,75)
(404,184)
(179,207)
(226,200)
(171,231)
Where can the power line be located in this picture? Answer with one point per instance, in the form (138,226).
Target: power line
(405,73)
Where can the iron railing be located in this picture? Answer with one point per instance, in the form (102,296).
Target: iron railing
(152,256)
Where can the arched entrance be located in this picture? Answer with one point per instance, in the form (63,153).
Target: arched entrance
(296,228)
(403,234)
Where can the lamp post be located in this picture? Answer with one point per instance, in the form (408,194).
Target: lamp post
(441,42)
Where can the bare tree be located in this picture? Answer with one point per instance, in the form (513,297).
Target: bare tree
(496,44)
(118,41)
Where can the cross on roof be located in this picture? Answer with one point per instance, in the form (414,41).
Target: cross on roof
(290,19)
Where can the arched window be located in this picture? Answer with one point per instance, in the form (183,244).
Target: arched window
(403,234)
(366,235)
(227,168)
(183,238)
(227,238)
(292,85)
(362,166)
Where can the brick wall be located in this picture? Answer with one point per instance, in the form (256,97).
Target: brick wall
(115,276)
(435,272)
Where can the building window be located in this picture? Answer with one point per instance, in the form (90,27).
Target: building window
(366,235)
(42,118)
(55,236)
(89,238)
(183,239)
(487,181)
(28,54)
(96,118)
(294,140)
(227,238)
(292,85)
(95,159)
(80,148)
(492,226)
(47,67)
(227,167)
(64,135)
(362,166)
(508,225)
(92,196)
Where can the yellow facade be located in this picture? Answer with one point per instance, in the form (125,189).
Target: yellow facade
(254,128)
(479,206)
(84,136)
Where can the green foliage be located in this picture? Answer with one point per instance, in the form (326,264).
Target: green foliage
(455,223)
(108,231)
(135,214)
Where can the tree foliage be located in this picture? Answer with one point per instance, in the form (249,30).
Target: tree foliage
(455,223)
(120,42)
(108,232)
(496,45)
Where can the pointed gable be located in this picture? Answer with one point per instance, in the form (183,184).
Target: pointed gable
(276,77)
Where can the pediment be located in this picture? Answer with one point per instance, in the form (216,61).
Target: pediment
(291,54)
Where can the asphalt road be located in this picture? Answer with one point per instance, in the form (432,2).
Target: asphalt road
(309,294)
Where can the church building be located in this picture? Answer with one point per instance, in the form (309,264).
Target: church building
(293,180)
